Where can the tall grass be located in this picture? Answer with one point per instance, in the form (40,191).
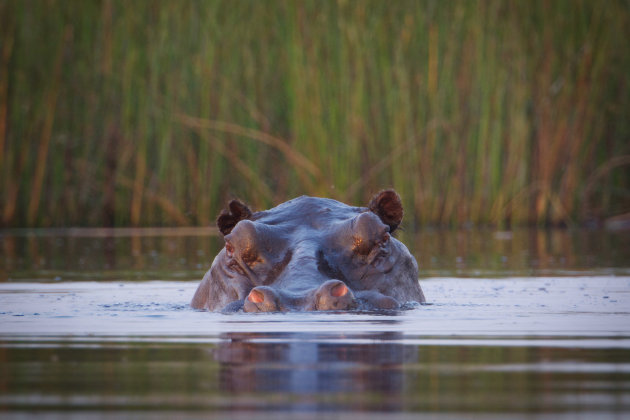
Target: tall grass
(156,112)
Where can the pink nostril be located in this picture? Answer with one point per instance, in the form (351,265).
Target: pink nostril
(339,290)
(256,296)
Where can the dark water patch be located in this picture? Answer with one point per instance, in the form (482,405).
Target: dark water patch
(62,255)
(302,373)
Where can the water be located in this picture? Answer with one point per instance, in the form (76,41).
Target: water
(520,324)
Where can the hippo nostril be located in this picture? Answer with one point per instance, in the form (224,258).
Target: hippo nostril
(256,296)
(339,290)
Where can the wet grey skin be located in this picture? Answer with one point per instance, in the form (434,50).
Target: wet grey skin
(311,254)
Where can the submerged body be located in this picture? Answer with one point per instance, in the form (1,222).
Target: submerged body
(311,254)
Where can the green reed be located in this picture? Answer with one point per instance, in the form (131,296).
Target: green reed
(155,113)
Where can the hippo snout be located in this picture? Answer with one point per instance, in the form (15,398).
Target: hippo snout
(332,295)
(262,299)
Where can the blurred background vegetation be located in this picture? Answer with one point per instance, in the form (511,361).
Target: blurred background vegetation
(154,113)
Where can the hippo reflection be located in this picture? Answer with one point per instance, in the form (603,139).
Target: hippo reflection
(313,371)
(311,254)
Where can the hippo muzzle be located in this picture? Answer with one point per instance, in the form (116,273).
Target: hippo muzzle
(311,254)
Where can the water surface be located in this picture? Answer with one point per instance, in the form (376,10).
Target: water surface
(99,326)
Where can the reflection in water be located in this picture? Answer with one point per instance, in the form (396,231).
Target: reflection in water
(521,252)
(51,254)
(84,362)
(318,373)
(37,255)
(268,373)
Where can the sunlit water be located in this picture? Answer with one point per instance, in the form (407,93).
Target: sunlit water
(101,327)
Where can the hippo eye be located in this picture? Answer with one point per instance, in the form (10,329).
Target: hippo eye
(364,246)
(250,256)
(229,249)
(360,246)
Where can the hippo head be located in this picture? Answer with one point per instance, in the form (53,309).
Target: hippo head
(311,254)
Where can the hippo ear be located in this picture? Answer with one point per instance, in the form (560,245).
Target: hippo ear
(388,207)
(229,217)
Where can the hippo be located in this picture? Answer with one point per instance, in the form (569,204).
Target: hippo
(311,254)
